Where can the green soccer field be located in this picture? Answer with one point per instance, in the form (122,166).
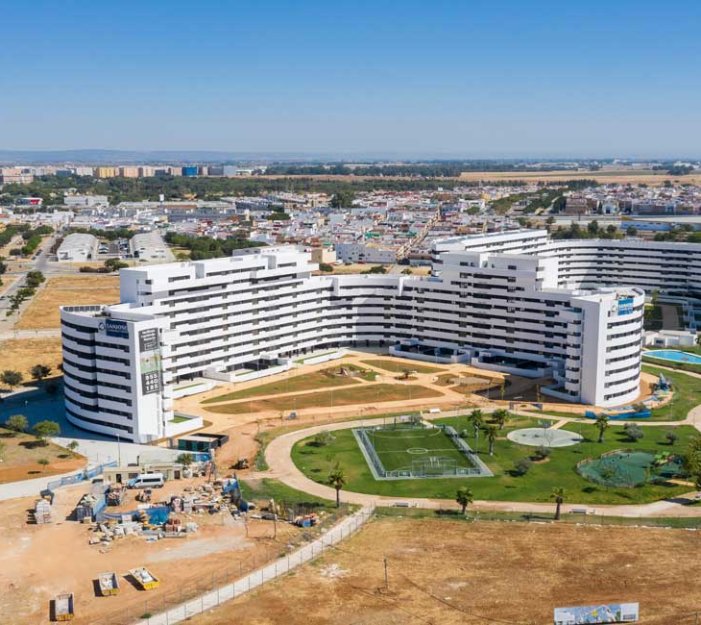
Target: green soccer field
(398,447)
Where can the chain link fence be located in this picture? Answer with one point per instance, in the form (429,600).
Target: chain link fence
(193,599)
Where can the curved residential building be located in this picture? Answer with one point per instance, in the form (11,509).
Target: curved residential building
(515,302)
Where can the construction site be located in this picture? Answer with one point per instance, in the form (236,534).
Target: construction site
(150,541)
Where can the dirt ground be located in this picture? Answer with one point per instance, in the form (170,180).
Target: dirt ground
(22,354)
(39,562)
(78,290)
(603,176)
(451,572)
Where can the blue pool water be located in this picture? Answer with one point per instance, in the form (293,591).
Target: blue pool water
(674,356)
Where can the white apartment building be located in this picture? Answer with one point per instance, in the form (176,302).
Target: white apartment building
(361,253)
(514,302)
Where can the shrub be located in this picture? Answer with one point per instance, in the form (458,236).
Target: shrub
(523,466)
(633,431)
(541,453)
(322,439)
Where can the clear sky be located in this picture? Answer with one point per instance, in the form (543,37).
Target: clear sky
(459,77)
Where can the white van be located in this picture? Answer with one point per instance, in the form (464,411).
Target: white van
(147,480)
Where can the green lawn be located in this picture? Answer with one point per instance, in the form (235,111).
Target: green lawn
(358,394)
(536,485)
(324,378)
(399,367)
(687,394)
(391,445)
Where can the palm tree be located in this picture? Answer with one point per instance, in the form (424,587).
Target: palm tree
(558,495)
(500,417)
(602,422)
(476,419)
(464,498)
(491,432)
(337,479)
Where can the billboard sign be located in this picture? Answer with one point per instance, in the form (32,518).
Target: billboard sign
(595,614)
(114,327)
(148,340)
(625,306)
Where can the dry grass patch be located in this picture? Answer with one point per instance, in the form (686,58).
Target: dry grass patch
(324,378)
(22,354)
(625,176)
(455,573)
(85,290)
(361,394)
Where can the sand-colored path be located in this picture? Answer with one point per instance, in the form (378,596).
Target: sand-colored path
(279,459)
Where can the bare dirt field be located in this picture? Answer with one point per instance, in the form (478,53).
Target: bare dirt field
(450,572)
(22,354)
(643,176)
(87,289)
(40,561)
(21,455)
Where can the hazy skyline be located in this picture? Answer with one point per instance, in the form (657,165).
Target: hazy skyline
(471,79)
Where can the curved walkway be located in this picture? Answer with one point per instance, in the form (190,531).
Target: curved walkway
(279,458)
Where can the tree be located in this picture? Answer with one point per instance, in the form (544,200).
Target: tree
(464,498)
(17,423)
(691,461)
(11,378)
(602,423)
(46,429)
(39,372)
(500,417)
(632,231)
(671,437)
(558,495)
(342,199)
(2,451)
(325,267)
(633,431)
(72,446)
(44,462)
(476,419)
(337,479)
(491,433)
(185,459)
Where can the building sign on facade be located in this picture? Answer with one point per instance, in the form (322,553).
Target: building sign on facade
(625,306)
(148,340)
(150,361)
(114,327)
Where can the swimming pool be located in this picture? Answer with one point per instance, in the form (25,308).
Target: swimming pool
(674,355)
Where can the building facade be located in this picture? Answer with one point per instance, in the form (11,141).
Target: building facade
(516,302)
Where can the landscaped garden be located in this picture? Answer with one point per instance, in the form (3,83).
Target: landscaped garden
(521,473)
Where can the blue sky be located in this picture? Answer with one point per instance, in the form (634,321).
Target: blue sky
(469,78)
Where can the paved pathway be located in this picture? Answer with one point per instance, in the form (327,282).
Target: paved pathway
(279,459)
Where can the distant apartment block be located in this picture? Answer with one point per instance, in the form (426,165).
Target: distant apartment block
(85,201)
